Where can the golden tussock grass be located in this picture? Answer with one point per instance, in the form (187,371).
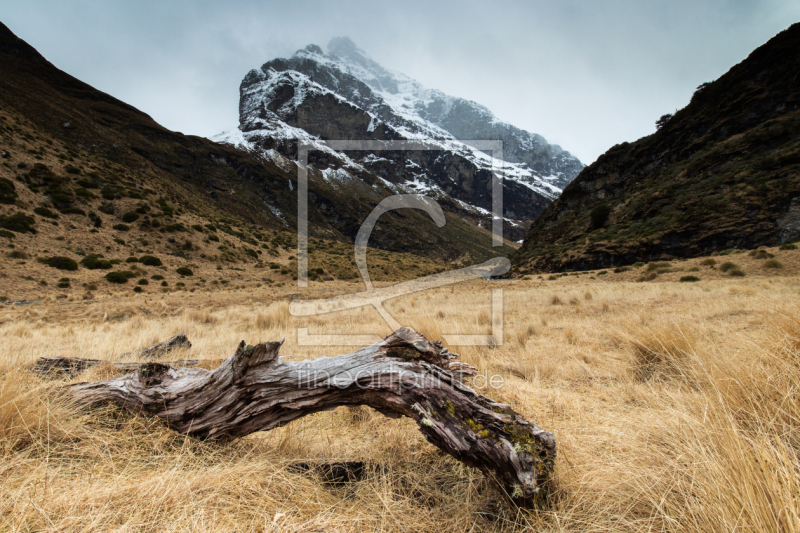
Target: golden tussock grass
(676,407)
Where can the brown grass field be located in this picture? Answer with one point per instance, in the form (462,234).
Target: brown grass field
(675,407)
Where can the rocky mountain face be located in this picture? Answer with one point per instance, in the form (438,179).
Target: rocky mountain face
(345,95)
(722,173)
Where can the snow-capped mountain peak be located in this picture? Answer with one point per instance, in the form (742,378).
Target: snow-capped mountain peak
(345,94)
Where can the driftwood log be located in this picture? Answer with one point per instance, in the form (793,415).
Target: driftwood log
(56,367)
(161,349)
(403,375)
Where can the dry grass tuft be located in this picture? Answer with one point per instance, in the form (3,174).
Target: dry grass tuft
(662,351)
(276,316)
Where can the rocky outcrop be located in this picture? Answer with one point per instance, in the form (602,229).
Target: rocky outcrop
(723,172)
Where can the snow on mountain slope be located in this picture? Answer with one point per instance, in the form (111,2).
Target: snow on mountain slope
(345,95)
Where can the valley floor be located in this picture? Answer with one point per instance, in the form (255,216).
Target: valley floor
(675,408)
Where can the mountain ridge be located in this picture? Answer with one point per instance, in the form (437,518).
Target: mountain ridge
(722,173)
(313,96)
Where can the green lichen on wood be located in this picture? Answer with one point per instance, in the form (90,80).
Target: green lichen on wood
(450,408)
(523,441)
(478,428)
(247,351)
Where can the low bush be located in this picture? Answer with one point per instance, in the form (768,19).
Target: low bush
(708,261)
(788,246)
(61,263)
(121,227)
(18,254)
(689,279)
(157,277)
(119,277)
(8,191)
(599,215)
(773,263)
(621,269)
(184,271)
(736,272)
(648,276)
(149,260)
(44,212)
(95,262)
(143,281)
(18,223)
(130,216)
(657,265)
(761,254)
(727,266)
(132,259)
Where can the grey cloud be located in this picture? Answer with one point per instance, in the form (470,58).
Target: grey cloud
(584,74)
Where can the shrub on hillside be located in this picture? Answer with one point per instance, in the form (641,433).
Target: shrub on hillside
(130,216)
(95,262)
(18,223)
(708,261)
(689,279)
(8,191)
(184,271)
(727,266)
(788,246)
(658,265)
(599,215)
(61,263)
(648,276)
(44,212)
(149,260)
(119,277)
(18,254)
(121,227)
(761,254)
(773,263)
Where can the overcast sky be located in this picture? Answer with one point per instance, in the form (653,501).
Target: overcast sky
(584,74)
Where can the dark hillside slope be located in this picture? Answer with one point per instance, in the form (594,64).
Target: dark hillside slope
(724,172)
(79,126)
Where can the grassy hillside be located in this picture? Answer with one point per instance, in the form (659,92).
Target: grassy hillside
(84,174)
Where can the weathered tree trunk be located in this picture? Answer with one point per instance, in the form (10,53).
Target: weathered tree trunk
(161,349)
(403,375)
(58,367)
(72,366)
